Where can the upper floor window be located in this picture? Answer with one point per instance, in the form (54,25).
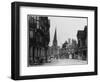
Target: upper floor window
(31,34)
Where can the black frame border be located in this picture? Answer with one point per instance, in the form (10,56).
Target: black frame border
(15,38)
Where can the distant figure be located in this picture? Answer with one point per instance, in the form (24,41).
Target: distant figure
(70,56)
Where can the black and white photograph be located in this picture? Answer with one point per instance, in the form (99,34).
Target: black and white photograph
(57,40)
(53,40)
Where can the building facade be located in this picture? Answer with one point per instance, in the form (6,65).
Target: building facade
(39,37)
(82,44)
(69,49)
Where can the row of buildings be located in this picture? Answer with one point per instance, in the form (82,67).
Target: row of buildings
(70,49)
(39,37)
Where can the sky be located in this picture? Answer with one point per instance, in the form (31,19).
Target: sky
(66,27)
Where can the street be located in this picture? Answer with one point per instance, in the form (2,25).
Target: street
(62,62)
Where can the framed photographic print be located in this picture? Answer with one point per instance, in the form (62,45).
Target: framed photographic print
(53,40)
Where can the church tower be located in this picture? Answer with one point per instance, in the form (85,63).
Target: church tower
(55,51)
(55,39)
